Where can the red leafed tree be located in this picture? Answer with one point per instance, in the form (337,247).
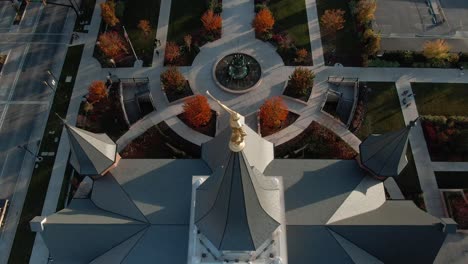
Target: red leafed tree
(145,26)
(273,112)
(263,21)
(211,21)
(173,79)
(172,52)
(197,111)
(97,91)
(112,44)
(108,13)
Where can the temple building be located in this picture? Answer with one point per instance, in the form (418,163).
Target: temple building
(237,204)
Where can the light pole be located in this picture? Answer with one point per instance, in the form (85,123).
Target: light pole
(52,75)
(130,42)
(48,85)
(38,158)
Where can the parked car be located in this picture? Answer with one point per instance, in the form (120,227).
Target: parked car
(3,210)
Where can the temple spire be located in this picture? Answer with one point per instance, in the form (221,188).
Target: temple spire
(237,142)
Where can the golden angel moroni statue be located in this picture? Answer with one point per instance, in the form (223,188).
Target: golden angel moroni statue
(237,142)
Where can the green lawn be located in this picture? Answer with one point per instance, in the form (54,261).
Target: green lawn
(347,43)
(447,99)
(37,190)
(185,18)
(383,110)
(133,12)
(291,16)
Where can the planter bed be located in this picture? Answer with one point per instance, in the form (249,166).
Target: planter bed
(457,208)
(291,118)
(208,129)
(173,95)
(288,91)
(315,142)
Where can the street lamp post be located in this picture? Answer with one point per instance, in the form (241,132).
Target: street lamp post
(130,42)
(38,158)
(52,75)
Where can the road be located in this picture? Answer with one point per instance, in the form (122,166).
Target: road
(33,47)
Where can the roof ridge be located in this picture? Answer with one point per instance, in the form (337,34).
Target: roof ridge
(72,130)
(147,224)
(397,135)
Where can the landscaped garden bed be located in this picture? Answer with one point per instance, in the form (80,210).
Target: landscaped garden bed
(208,129)
(444,112)
(104,115)
(140,24)
(343,46)
(300,84)
(275,116)
(290,31)
(174,85)
(160,142)
(315,142)
(457,207)
(290,119)
(187,32)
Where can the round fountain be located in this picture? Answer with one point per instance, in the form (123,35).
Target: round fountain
(237,73)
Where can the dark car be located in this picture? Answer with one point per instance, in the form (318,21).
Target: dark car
(3,210)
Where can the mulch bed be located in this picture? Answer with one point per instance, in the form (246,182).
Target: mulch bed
(291,118)
(2,61)
(458,208)
(208,129)
(316,142)
(174,95)
(160,142)
(446,143)
(106,117)
(291,93)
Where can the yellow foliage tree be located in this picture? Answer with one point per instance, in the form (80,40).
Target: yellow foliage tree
(365,11)
(436,50)
(145,26)
(108,13)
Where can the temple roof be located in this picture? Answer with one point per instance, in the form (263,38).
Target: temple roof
(237,207)
(385,154)
(91,153)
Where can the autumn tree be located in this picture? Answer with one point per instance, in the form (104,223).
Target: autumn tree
(365,11)
(145,26)
(97,91)
(371,42)
(273,112)
(301,55)
(263,21)
(197,111)
(112,44)
(211,21)
(173,79)
(172,52)
(436,50)
(108,13)
(332,21)
(188,41)
(301,80)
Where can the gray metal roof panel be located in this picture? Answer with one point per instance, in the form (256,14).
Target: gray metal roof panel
(118,253)
(85,232)
(109,195)
(385,154)
(314,244)
(396,232)
(315,189)
(229,211)
(160,188)
(161,244)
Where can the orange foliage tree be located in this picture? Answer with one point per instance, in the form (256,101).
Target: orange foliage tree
(332,21)
(211,21)
(263,21)
(436,50)
(301,55)
(145,26)
(108,13)
(173,79)
(112,44)
(301,80)
(172,52)
(273,112)
(365,10)
(97,91)
(197,111)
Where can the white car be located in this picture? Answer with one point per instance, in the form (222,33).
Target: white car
(3,210)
